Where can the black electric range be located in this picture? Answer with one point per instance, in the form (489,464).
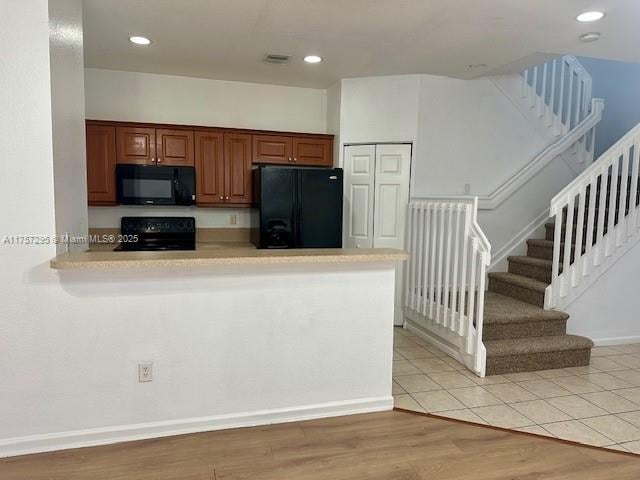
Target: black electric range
(157,233)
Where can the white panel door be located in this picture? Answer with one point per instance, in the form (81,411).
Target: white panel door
(393,173)
(359,184)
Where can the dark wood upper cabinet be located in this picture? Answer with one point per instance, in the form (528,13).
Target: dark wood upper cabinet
(136,145)
(222,158)
(174,148)
(101,164)
(209,163)
(272,149)
(237,167)
(312,151)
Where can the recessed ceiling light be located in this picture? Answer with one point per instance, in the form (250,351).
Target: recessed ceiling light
(312,59)
(590,37)
(590,16)
(139,40)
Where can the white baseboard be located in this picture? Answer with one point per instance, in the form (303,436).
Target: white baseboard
(125,433)
(606,342)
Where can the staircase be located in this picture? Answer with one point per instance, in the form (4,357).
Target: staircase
(519,334)
(518,324)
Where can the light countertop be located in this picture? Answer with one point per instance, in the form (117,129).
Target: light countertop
(102,257)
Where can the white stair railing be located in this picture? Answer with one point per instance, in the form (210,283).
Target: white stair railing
(560,91)
(445,277)
(598,212)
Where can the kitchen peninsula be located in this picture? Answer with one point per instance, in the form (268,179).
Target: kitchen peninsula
(279,335)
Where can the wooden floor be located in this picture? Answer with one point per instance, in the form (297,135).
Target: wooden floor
(389,445)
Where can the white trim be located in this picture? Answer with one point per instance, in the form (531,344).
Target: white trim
(520,178)
(610,341)
(518,239)
(124,433)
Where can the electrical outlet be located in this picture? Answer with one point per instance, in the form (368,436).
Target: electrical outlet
(233,219)
(145,372)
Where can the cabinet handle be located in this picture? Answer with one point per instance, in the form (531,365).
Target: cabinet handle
(159,160)
(295,159)
(226,198)
(221,198)
(290,159)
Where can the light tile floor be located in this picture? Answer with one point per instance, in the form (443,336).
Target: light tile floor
(597,405)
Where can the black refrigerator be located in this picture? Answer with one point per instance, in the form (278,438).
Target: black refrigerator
(297,207)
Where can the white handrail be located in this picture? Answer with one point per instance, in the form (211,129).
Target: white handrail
(599,215)
(445,278)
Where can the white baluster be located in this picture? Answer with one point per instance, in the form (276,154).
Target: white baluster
(633,207)
(447,272)
(426,286)
(621,230)
(611,212)
(432,267)
(463,276)
(455,307)
(440,262)
(472,295)
(568,236)
(576,272)
(586,265)
(419,258)
(598,246)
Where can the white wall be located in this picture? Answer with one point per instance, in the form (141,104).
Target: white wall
(145,97)
(608,311)
(379,109)
(67,86)
(469,132)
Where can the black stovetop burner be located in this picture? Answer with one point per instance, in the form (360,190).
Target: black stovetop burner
(157,234)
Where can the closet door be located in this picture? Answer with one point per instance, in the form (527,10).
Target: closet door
(359,191)
(393,172)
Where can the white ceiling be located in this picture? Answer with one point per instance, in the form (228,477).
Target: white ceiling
(227,39)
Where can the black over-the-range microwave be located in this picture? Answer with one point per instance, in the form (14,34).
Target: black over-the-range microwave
(153,185)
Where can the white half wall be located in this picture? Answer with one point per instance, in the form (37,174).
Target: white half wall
(607,312)
(230,347)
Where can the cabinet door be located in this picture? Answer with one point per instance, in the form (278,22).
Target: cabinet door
(313,151)
(174,147)
(237,148)
(209,163)
(272,149)
(136,145)
(101,164)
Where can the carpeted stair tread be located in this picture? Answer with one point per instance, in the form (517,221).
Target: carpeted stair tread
(536,345)
(500,309)
(519,281)
(532,261)
(541,242)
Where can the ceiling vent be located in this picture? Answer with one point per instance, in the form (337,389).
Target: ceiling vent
(274,58)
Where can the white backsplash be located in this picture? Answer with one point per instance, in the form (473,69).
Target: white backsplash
(109,217)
